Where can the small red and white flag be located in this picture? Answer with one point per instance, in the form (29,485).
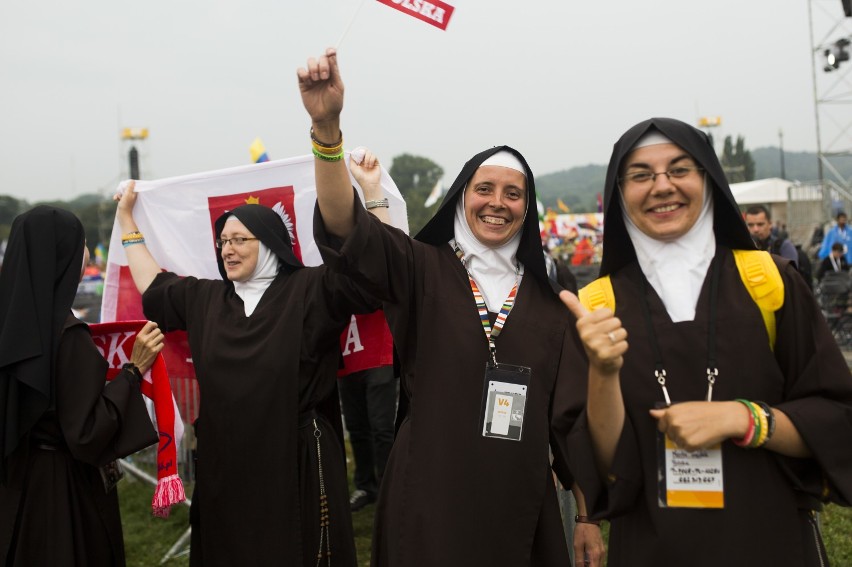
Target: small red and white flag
(432,12)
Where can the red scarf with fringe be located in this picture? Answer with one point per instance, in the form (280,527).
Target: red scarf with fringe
(115,341)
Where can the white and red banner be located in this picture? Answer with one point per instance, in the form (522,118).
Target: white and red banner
(432,12)
(176,215)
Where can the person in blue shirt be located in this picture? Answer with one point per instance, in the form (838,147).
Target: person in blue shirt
(838,233)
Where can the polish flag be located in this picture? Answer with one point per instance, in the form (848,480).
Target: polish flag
(432,12)
(176,215)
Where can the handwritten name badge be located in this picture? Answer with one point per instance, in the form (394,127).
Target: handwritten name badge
(689,479)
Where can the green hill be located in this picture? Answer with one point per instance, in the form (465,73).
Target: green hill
(578,186)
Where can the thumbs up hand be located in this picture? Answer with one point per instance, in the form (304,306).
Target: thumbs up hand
(604,339)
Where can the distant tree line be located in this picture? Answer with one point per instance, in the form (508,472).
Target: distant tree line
(416,176)
(94,211)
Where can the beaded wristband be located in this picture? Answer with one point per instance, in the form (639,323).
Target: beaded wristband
(135,235)
(126,243)
(749,436)
(325,157)
(323,144)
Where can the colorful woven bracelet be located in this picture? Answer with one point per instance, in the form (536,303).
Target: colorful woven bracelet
(749,436)
(325,157)
(323,144)
(131,236)
(127,243)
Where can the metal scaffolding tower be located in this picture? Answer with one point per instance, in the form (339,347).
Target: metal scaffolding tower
(831,36)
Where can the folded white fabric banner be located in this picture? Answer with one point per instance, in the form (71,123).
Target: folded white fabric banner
(176,215)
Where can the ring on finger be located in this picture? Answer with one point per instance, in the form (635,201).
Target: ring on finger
(611,336)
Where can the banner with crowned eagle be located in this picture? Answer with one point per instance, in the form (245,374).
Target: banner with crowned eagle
(176,215)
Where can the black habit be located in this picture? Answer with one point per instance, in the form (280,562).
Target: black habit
(58,420)
(769,499)
(450,496)
(262,378)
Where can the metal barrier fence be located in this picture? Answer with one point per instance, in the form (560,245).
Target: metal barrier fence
(187,397)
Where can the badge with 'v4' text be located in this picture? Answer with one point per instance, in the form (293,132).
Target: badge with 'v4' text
(505,401)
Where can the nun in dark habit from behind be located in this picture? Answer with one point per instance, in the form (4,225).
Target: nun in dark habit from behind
(58,422)
(756,406)
(479,332)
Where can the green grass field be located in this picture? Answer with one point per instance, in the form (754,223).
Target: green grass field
(148,539)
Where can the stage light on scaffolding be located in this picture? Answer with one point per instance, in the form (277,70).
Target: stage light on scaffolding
(836,54)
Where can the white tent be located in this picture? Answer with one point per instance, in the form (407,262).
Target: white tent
(799,209)
(762,191)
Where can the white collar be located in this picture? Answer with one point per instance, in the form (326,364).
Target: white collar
(495,270)
(677,269)
(251,290)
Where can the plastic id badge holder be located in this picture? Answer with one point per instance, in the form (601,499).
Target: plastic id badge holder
(504,401)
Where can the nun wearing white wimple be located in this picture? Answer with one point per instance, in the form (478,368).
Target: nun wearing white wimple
(265,346)
(476,323)
(729,358)
(266,267)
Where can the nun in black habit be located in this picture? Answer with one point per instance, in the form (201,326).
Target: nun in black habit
(467,483)
(768,419)
(271,476)
(58,422)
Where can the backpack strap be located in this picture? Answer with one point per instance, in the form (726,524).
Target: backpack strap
(763,281)
(757,270)
(598,294)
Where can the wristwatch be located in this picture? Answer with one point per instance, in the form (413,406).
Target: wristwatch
(134,371)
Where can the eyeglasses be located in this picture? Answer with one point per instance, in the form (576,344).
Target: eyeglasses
(648,177)
(236,242)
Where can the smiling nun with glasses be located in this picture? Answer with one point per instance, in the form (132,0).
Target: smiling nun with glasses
(715,437)
(271,483)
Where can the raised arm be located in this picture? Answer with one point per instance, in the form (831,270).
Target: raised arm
(143,267)
(368,174)
(322,95)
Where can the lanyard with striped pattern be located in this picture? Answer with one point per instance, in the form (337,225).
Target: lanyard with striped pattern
(490,334)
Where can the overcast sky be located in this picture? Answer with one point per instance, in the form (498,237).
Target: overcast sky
(560,81)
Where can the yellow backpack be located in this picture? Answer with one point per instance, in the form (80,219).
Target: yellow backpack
(757,270)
